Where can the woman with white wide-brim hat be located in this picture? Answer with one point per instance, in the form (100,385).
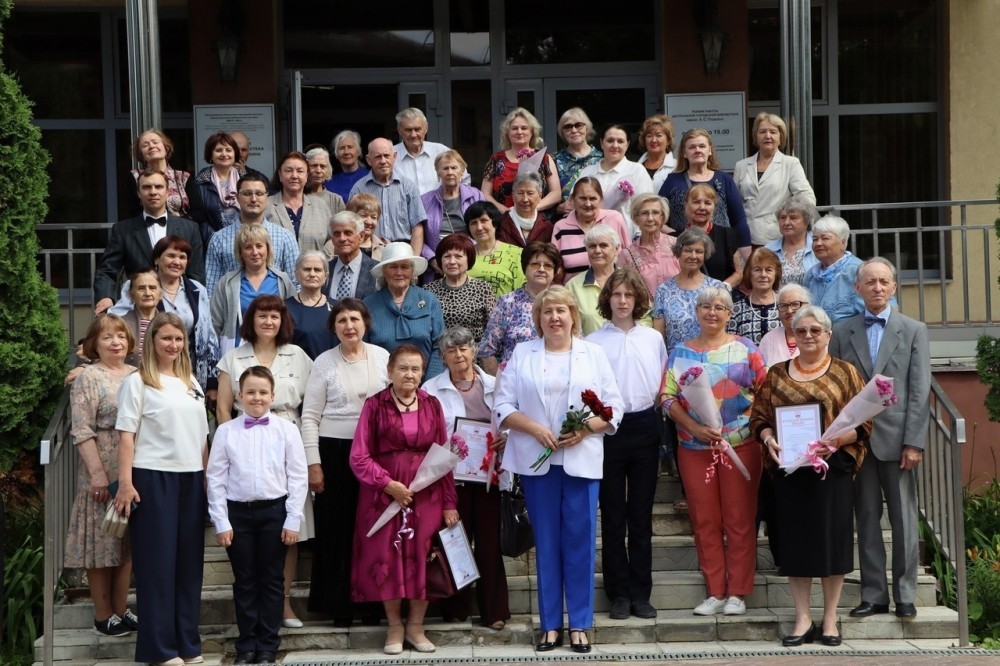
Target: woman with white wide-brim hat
(401,311)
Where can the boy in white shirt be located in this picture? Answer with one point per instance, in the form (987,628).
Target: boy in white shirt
(257,484)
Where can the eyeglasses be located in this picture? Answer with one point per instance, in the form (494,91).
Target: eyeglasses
(260,194)
(577,126)
(813,331)
(791,305)
(535,265)
(710,307)
(650,213)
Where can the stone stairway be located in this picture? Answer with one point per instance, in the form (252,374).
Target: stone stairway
(677,588)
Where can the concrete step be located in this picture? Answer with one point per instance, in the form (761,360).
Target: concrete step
(672,590)
(82,646)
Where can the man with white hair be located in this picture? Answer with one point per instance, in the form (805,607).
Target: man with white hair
(883,341)
(350,269)
(414,154)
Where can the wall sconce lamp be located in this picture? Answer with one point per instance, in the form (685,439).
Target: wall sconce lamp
(227,46)
(713,38)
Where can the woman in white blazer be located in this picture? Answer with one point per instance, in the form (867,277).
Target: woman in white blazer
(766,179)
(543,380)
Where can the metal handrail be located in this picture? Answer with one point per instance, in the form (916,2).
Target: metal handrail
(58,456)
(939,492)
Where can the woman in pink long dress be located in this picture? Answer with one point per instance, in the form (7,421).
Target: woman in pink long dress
(396,428)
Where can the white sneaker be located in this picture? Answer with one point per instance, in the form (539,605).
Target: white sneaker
(734,606)
(710,606)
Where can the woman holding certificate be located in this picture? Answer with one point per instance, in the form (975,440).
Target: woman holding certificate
(815,509)
(558,449)
(466,393)
(708,392)
(396,430)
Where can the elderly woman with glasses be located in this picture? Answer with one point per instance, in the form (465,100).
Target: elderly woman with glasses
(465,391)
(814,513)
(577,131)
(722,502)
(779,343)
(652,254)
(794,249)
(831,281)
(511,322)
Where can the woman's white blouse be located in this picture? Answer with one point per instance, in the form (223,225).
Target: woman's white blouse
(173,428)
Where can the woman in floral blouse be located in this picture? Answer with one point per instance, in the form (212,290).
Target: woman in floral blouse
(511,321)
(520,139)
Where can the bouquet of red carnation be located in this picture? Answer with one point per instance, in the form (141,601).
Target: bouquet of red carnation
(576,420)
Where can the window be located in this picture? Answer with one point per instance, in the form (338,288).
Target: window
(557,32)
(366,34)
(57,59)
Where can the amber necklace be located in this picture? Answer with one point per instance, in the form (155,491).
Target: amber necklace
(809,371)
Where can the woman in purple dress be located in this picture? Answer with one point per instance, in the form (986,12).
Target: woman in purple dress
(396,428)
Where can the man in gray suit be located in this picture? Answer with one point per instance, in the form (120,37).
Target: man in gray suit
(351,269)
(885,341)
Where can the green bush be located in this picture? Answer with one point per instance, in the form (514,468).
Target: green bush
(33,351)
(24,575)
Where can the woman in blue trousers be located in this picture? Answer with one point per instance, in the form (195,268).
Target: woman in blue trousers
(543,380)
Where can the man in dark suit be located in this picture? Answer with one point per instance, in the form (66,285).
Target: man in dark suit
(885,341)
(351,270)
(130,245)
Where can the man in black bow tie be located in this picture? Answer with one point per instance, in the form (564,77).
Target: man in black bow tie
(884,341)
(130,244)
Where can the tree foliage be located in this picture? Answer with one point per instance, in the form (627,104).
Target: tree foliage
(32,340)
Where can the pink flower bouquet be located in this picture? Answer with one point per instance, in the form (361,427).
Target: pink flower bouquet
(437,462)
(872,400)
(696,389)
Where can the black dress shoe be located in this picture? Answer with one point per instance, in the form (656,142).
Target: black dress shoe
(581,647)
(906,610)
(866,608)
(547,645)
(619,609)
(643,609)
(265,657)
(245,658)
(796,641)
(832,641)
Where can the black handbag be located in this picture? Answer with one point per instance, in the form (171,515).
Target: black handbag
(516,537)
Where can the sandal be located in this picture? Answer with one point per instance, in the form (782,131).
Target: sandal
(583,646)
(498,625)
(680,504)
